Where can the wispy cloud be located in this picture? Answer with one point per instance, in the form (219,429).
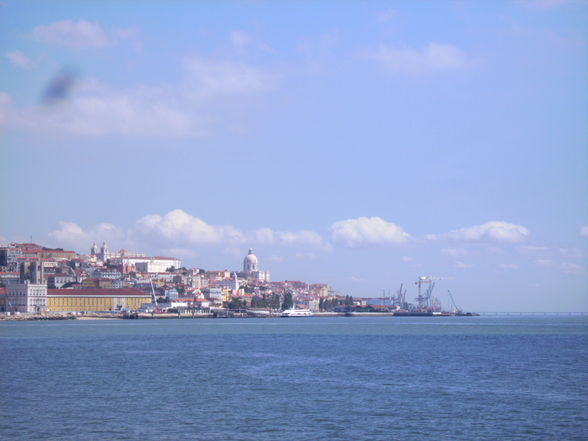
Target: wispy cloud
(240,39)
(493,231)
(306,256)
(18,59)
(572,268)
(72,33)
(584,231)
(367,231)
(202,103)
(508,266)
(387,15)
(432,57)
(83,34)
(455,252)
(544,4)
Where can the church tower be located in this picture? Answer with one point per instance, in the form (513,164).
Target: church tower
(104,253)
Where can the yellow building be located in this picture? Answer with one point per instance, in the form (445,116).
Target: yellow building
(64,300)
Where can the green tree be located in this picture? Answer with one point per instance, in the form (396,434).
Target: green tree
(274,301)
(288,301)
(236,303)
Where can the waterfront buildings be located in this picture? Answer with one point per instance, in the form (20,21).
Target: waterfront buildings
(54,280)
(97,299)
(26,297)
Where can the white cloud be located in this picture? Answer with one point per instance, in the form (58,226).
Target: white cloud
(573,253)
(544,262)
(494,231)
(234,252)
(463,265)
(508,266)
(564,267)
(240,39)
(432,57)
(19,59)
(531,249)
(72,235)
(455,252)
(387,15)
(73,34)
(218,78)
(407,259)
(178,226)
(367,231)
(572,268)
(584,231)
(202,103)
(264,236)
(305,256)
(544,4)
(177,230)
(275,259)
(301,238)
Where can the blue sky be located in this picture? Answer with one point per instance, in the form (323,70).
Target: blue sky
(361,144)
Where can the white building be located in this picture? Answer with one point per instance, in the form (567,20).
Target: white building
(26,297)
(58,280)
(251,268)
(157,264)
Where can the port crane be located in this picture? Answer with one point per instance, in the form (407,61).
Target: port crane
(425,299)
(153,298)
(399,299)
(456,309)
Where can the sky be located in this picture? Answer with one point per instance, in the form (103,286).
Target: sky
(357,143)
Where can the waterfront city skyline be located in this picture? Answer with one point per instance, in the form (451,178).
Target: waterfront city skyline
(361,145)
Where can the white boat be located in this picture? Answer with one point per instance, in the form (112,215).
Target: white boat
(293,312)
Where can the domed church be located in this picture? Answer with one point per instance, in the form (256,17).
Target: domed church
(251,268)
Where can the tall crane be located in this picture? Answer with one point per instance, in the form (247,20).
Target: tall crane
(153,298)
(456,309)
(424,298)
(400,298)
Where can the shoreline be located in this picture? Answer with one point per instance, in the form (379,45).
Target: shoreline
(228,314)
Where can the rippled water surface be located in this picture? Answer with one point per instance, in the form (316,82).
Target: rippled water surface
(360,378)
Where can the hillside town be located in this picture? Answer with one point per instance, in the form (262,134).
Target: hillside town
(38,279)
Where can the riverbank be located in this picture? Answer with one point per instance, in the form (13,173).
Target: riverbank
(206,315)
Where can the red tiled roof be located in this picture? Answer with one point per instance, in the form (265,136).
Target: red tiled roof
(2,291)
(106,292)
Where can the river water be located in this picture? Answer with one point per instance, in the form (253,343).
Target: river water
(357,378)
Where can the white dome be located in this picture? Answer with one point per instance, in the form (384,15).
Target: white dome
(250,263)
(251,258)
